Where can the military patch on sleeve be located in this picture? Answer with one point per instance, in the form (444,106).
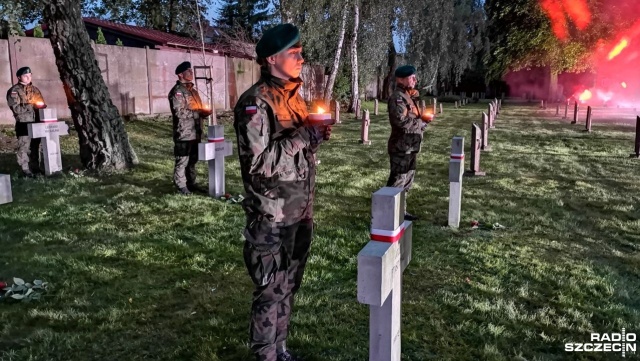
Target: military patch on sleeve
(399,101)
(251,109)
(178,94)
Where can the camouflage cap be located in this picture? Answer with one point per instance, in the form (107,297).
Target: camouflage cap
(405,71)
(183,67)
(22,71)
(277,39)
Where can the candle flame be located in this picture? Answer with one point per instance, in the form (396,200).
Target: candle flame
(39,103)
(320,110)
(624,85)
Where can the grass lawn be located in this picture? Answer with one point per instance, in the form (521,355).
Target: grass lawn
(138,272)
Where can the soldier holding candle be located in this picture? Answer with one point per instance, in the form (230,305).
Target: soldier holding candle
(187,112)
(407,125)
(277,143)
(25,100)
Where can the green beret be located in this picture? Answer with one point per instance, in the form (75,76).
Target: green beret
(405,71)
(277,39)
(183,67)
(22,71)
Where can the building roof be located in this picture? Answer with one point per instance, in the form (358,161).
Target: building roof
(161,39)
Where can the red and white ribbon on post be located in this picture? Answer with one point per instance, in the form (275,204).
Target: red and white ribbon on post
(457,157)
(382,235)
(216,140)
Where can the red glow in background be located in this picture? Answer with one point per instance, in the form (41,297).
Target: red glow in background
(617,74)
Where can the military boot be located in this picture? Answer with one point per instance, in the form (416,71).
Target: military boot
(287,356)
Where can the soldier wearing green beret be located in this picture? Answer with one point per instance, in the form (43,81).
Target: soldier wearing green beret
(25,100)
(187,113)
(276,147)
(407,125)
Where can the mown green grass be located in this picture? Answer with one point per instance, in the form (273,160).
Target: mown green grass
(141,273)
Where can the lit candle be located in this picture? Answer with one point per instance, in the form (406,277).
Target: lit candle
(320,115)
(321,118)
(39,104)
(428,115)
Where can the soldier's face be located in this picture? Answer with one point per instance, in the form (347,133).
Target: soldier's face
(411,81)
(287,63)
(25,79)
(187,75)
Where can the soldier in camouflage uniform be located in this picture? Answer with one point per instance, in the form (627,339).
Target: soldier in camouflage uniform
(25,99)
(407,126)
(276,147)
(188,112)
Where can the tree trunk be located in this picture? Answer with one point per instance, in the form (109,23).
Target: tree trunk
(387,85)
(104,144)
(285,15)
(328,90)
(354,57)
(553,86)
(172,15)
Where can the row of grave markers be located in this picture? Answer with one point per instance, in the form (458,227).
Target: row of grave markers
(384,258)
(50,129)
(366,120)
(479,144)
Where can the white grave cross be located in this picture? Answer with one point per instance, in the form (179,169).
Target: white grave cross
(380,266)
(214,151)
(50,129)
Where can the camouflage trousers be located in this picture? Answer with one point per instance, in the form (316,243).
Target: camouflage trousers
(28,154)
(273,301)
(403,169)
(184,172)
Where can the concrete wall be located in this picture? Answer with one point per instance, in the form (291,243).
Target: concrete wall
(138,79)
(5,80)
(161,65)
(124,70)
(38,55)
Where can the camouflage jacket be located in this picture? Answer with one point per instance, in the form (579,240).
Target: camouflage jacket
(185,103)
(406,125)
(22,99)
(277,159)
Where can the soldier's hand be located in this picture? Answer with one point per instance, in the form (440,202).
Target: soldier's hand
(205,112)
(327,133)
(426,117)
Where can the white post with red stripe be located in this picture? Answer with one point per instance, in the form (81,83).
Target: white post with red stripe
(214,151)
(492,118)
(485,133)
(5,189)
(380,266)
(456,170)
(50,129)
(364,131)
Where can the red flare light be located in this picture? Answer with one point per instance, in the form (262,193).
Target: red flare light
(577,10)
(618,48)
(624,85)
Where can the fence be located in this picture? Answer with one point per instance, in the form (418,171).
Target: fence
(138,79)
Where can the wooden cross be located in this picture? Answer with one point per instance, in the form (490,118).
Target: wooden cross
(214,151)
(380,266)
(50,129)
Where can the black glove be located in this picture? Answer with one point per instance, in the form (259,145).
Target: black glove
(316,135)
